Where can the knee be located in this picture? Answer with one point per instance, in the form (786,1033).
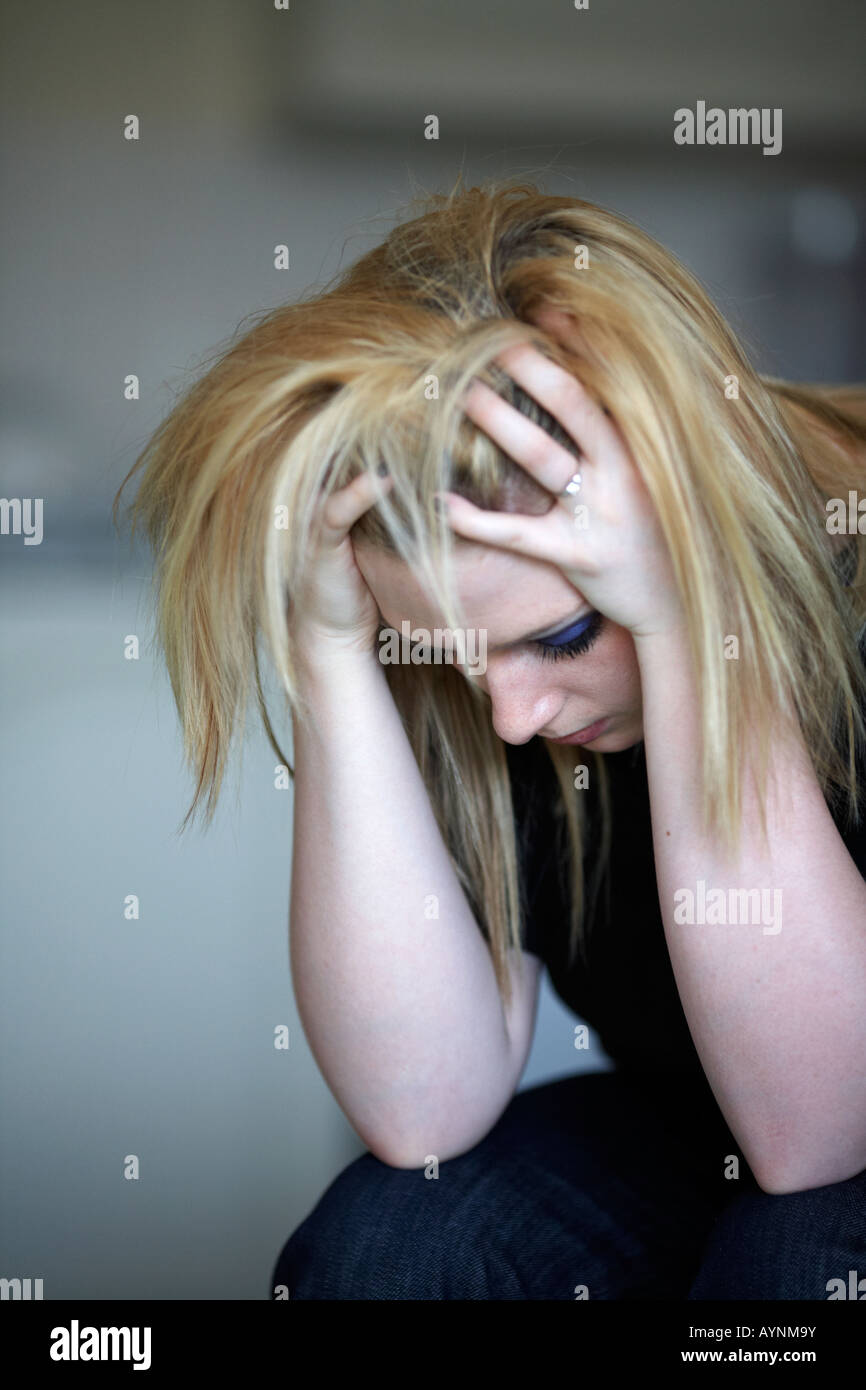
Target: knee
(798,1245)
(377,1233)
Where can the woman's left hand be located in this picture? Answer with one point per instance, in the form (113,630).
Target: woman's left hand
(614,551)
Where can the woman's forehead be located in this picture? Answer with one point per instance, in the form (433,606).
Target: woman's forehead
(507,594)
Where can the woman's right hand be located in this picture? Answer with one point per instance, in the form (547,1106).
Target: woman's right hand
(339,612)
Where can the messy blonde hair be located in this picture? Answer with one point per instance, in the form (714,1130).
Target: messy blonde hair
(371,370)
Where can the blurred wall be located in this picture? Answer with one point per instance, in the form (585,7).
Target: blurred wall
(305,126)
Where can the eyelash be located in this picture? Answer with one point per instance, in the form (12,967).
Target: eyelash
(577,645)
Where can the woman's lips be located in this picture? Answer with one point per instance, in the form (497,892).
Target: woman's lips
(592,731)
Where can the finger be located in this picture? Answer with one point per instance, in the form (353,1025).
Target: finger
(343,508)
(565,398)
(564,328)
(527,443)
(526,535)
(558,323)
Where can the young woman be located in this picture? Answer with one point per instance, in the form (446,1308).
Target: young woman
(520,423)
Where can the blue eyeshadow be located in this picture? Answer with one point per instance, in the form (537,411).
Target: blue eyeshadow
(559,639)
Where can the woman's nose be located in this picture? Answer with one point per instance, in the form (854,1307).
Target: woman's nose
(520,704)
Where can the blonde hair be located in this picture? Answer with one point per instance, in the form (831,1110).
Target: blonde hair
(371,370)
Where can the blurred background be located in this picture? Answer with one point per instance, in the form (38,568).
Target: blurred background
(258,126)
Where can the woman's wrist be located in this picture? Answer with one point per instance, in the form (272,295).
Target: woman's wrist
(315,651)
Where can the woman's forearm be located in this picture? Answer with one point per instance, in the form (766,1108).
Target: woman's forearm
(775,1005)
(394,981)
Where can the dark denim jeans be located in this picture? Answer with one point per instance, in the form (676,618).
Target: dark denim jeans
(608,1185)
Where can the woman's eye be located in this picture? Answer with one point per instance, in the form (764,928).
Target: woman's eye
(572,640)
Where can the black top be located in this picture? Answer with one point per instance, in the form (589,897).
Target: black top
(626,989)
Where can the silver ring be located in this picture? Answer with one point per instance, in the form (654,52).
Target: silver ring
(573,487)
